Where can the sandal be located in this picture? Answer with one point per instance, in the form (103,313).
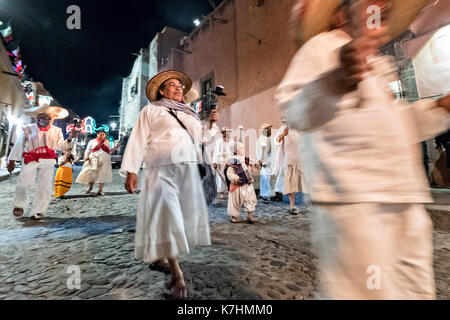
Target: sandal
(100,193)
(235,220)
(160,266)
(18,212)
(37,216)
(252,220)
(293,211)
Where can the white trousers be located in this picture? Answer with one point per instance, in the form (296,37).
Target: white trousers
(43,170)
(221,185)
(242,196)
(265,189)
(279,184)
(374,251)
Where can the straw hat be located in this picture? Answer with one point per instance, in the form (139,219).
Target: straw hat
(266,125)
(58,112)
(311,17)
(192,95)
(155,82)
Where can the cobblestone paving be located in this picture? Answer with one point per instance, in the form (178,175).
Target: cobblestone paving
(268,260)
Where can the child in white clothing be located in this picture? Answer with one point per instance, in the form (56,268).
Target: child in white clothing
(240,186)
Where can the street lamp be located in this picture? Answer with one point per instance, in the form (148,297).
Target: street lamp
(197,22)
(113,125)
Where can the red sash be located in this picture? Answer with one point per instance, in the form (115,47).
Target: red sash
(39,153)
(101,145)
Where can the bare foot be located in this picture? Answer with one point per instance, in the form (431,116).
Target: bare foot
(251,219)
(178,288)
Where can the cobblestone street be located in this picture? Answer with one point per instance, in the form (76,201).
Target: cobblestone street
(269,260)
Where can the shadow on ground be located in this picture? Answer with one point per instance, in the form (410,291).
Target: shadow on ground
(70,228)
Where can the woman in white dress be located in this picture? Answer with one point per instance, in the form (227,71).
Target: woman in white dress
(97,166)
(172,212)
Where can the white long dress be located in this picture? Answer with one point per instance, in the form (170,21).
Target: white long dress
(98,168)
(172,213)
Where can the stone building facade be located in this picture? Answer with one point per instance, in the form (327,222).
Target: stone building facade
(133,92)
(13,101)
(244,46)
(147,64)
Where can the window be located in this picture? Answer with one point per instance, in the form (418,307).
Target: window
(208,100)
(206,84)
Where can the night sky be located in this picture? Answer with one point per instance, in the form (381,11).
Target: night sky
(83,69)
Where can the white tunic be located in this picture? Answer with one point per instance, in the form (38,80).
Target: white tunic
(265,150)
(31,138)
(97,168)
(362,146)
(158,139)
(223,151)
(244,196)
(289,147)
(172,211)
(210,137)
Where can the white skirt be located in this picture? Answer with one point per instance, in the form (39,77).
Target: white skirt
(172,213)
(98,170)
(374,251)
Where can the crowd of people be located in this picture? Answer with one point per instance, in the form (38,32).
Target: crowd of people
(345,141)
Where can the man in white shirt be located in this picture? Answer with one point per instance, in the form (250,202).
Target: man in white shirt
(290,165)
(264,152)
(223,151)
(36,148)
(211,133)
(362,157)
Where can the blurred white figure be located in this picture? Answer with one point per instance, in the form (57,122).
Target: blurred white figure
(223,150)
(364,163)
(290,172)
(264,153)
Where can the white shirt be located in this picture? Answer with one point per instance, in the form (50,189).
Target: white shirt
(223,151)
(31,138)
(264,150)
(362,146)
(288,147)
(67,164)
(210,137)
(158,139)
(92,144)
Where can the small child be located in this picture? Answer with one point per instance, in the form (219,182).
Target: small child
(63,178)
(240,186)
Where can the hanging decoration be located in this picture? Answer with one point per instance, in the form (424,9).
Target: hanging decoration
(88,125)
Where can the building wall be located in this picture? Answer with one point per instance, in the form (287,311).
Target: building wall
(214,52)
(264,45)
(246,47)
(150,61)
(167,39)
(13,101)
(133,92)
